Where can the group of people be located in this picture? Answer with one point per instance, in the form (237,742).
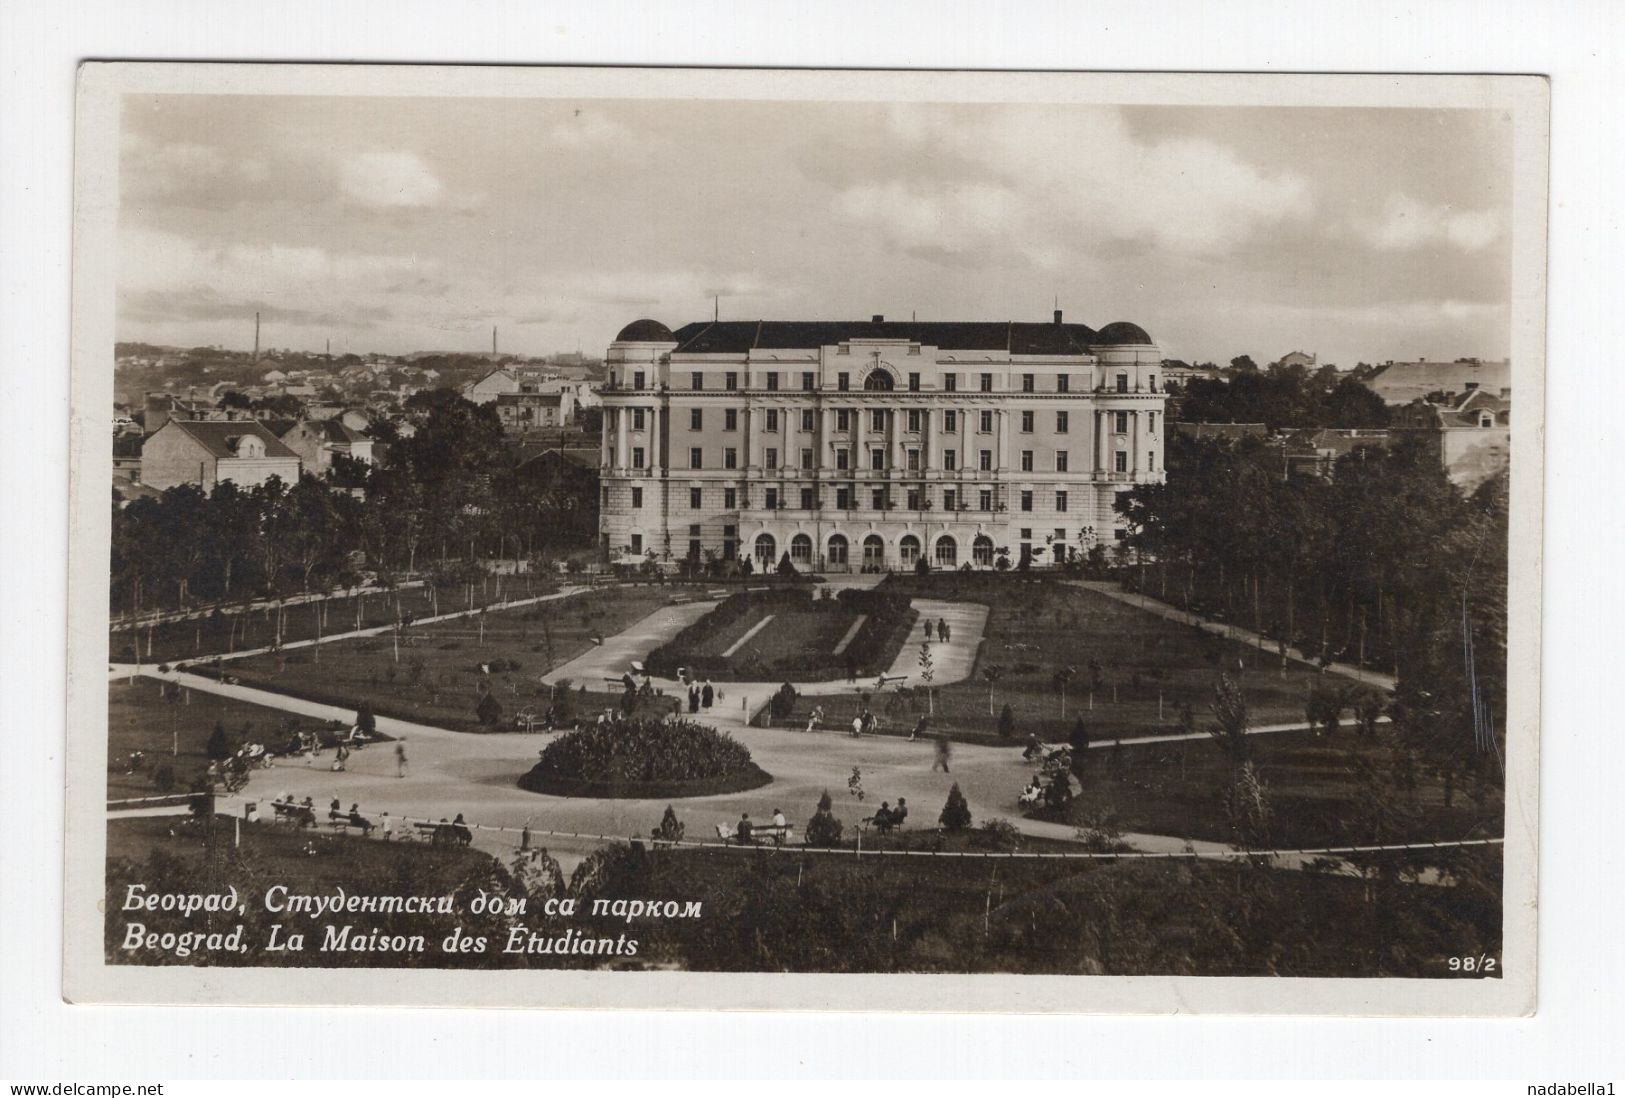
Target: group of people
(887,818)
(700,695)
(940,628)
(745,831)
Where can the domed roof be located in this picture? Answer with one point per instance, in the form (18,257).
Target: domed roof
(1121,333)
(645,331)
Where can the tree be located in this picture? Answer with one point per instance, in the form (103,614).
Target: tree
(1229,729)
(1078,741)
(670,829)
(1007,721)
(785,567)
(992,673)
(1244,364)
(364,720)
(955,812)
(824,829)
(488,710)
(927,673)
(1063,675)
(218,747)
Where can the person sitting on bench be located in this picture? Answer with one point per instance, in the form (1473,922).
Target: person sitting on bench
(883,818)
(460,829)
(742,830)
(358,820)
(900,813)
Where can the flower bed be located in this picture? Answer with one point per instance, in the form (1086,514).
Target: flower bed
(798,645)
(644,758)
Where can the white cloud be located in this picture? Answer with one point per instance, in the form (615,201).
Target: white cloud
(1062,183)
(389,179)
(1406,223)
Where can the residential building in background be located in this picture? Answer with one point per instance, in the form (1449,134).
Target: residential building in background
(1471,437)
(1403,382)
(207,452)
(867,445)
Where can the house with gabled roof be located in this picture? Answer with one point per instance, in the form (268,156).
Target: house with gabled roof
(319,441)
(207,452)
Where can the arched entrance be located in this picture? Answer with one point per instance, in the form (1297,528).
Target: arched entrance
(908,550)
(767,551)
(947,552)
(981,551)
(801,550)
(874,553)
(837,551)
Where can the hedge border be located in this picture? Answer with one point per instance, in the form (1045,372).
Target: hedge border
(740,781)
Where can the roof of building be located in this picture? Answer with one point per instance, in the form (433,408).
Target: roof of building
(645,331)
(220,436)
(584,457)
(1014,337)
(1120,333)
(1402,382)
(1220,430)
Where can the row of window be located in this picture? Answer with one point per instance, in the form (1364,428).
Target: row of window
(838,550)
(879,420)
(882,381)
(880,499)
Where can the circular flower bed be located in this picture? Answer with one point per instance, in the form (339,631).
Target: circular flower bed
(644,758)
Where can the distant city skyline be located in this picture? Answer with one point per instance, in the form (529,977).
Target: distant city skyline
(402,225)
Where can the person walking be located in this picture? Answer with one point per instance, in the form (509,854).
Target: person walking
(942,753)
(942,630)
(707,694)
(928,628)
(919,728)
(386,827)
(857,726)
(693,697)
(340,756)
(400,758)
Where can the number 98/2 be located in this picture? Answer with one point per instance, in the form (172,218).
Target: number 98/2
(1470,965)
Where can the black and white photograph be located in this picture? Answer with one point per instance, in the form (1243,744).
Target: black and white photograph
(551,536)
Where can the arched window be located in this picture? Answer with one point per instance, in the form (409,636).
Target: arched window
(837,549)
(947,552)
(801,549)
(874,552)
(908,549)
(981,551)
(878,382)
(766,550)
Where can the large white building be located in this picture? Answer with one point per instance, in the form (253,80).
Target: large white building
(863,445)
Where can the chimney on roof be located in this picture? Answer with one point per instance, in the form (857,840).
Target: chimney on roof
(880,318)
(1057,316)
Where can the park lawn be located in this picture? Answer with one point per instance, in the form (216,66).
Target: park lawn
(812,633)
(780,911)
(1149,667)
(1316,793)
(204,636)
(139,719)
(437,678)
(186,855)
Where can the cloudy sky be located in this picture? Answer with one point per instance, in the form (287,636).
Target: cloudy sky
(415,224)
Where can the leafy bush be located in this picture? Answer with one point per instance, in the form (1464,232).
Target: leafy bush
(1001,834)
(218,747)
(824,829)
(489,710)
(784,702)
(956,812)
(163,779)
(1007,721)
(670,829)
(623,750)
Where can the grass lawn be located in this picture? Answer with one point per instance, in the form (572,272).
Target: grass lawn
(211,634)
(786,912)
(180,854)
(438,676)
(812,633)
(139,719)
(1148,667)
(1317,794)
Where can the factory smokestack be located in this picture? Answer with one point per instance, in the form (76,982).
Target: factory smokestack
(256,335)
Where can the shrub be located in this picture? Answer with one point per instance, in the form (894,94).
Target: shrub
(824,829)
(785,567)
(1001,834)
(622,751)
(783,703)
(670,829)
(956,812)
(921,565)
(163,779)
(1007,721)
(218,746)
(489,710)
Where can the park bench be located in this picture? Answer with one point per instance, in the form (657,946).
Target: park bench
(345,821)
(758,834)
(443,834)
(301,815)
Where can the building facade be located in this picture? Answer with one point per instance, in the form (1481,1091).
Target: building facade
(207,452)
(865,446)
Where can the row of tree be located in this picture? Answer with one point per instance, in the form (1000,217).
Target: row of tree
(448,490)
(1385,565)
(1281,397)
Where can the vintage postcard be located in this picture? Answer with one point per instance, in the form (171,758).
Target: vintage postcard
(898,541)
